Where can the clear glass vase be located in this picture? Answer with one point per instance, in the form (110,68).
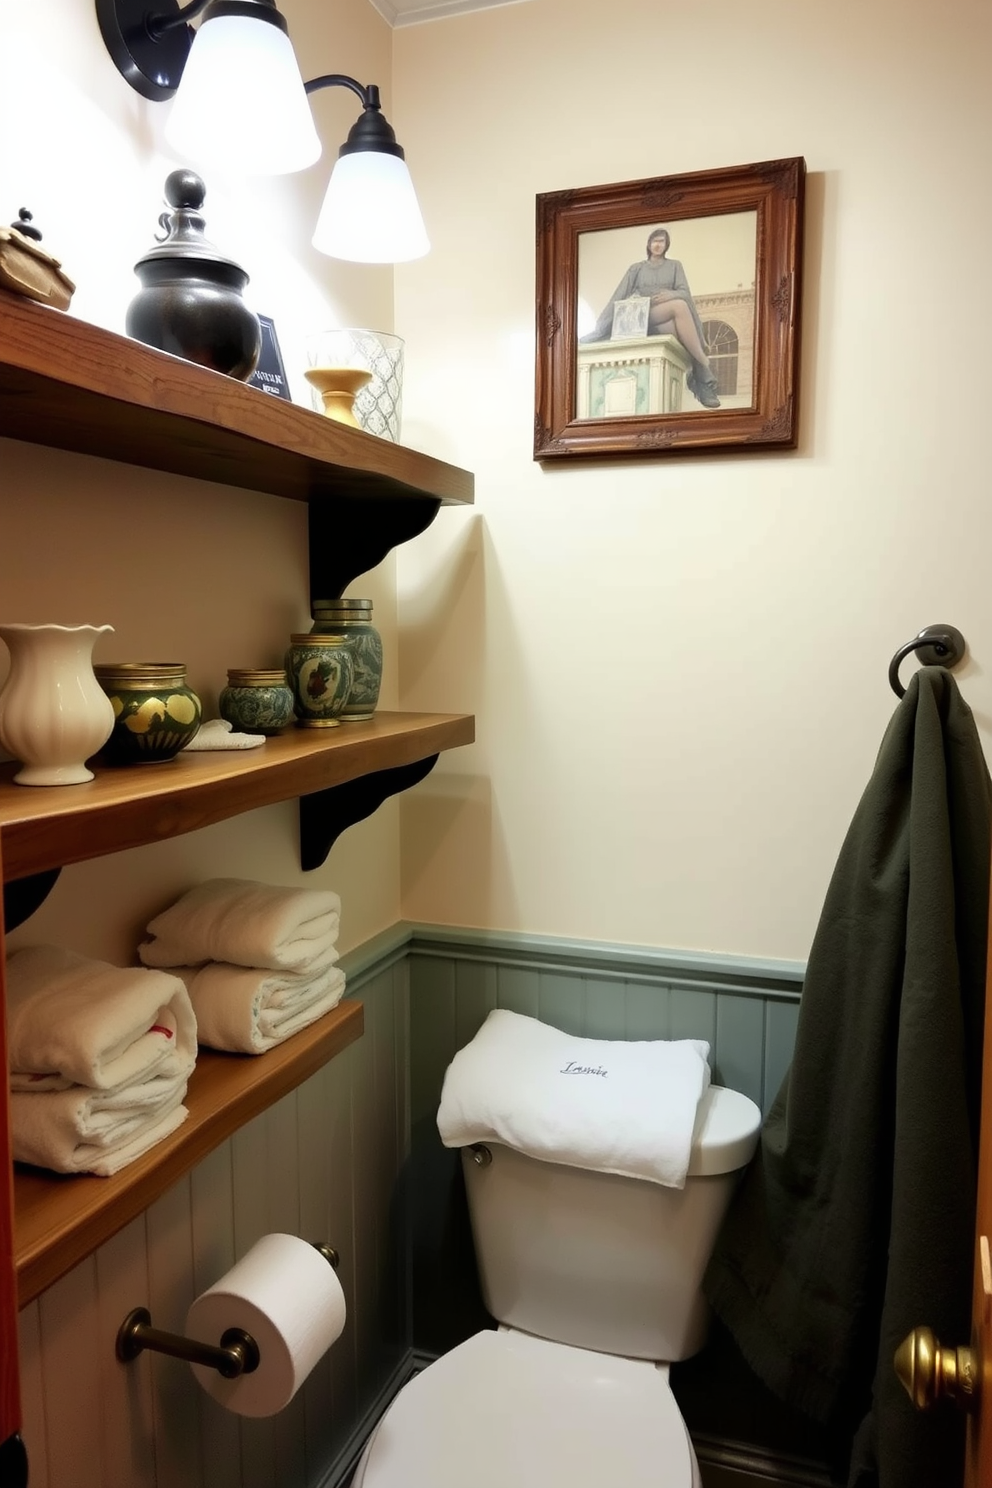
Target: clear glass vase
(378,405)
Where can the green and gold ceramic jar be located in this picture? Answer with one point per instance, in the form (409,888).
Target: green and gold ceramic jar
(320,670)
(353,618)
(155,713)
(257,701)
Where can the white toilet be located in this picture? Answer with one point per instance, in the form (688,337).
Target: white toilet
(595,1281)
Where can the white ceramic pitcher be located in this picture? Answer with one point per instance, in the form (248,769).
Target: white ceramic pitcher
(53,712)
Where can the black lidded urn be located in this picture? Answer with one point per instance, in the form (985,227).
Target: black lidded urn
(190,301)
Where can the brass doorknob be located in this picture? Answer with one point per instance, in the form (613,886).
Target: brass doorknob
(931,1373)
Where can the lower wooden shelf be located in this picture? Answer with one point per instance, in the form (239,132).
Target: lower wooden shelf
(59,1220)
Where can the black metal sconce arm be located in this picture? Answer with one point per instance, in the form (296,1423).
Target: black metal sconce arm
(149,42)
(158,25)
(370,131)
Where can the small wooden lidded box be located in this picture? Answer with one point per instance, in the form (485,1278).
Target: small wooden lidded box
(27,269)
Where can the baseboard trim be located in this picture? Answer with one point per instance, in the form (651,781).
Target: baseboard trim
(340,1472)
(729,1464)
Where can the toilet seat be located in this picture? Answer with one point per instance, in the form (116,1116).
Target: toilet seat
(507,1410)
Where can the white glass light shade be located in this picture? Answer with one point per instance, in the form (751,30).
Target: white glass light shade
(370,213)
(241,105)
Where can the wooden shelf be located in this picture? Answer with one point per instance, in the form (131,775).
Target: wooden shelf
(47,827)
(75,386)
(58,1220)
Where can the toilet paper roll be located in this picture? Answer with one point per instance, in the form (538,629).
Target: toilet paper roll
(287,1296)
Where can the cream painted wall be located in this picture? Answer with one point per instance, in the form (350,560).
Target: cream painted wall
(181,568)
(679,667)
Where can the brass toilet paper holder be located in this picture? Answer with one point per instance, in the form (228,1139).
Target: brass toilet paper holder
(236,1354)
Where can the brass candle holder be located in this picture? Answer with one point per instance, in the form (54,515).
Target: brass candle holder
(337,387)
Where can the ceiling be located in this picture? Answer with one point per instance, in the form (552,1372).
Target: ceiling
(415,12)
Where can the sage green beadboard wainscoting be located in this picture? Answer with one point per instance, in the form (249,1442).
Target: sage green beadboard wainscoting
(352,1156)
(745,1008)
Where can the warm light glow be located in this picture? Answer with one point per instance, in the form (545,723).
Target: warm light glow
(241,105)
(370,213)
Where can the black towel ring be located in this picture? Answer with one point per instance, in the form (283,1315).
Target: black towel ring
(938,645)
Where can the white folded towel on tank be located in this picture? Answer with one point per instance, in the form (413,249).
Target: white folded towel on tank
(75,1021)
(95,1131)
(246,1011)
(604,1104)
(245,923)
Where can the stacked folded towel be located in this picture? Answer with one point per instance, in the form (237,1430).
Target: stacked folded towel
(246,923)
(100,1057)
(258,960)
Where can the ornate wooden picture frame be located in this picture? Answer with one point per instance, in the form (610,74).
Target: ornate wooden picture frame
(715,276)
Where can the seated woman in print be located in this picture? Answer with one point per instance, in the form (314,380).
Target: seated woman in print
(671,312)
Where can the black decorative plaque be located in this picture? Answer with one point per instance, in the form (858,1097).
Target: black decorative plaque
(270,374)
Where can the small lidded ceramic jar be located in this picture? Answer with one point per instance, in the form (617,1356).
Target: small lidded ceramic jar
(320,670)
(155,713)
(257,701)
(353,618)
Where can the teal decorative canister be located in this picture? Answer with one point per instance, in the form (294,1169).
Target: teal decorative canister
(353,618)
(257,701)
(320,670)
(155,713)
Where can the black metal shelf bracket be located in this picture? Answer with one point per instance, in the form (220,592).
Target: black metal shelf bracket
(325,814)
(351,534)
(22,896)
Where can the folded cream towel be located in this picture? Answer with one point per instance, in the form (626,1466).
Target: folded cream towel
(609,1105)
(75,1021)
(217,733)
(244,923)
(247,1011)
(94,1131)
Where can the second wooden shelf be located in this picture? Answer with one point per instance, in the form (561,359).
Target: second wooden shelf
(42,828)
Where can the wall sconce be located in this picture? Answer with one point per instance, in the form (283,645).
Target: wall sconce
(242,51)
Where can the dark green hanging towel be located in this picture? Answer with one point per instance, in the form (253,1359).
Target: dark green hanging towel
(855,1222)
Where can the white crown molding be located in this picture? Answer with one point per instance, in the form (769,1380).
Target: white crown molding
(416,12)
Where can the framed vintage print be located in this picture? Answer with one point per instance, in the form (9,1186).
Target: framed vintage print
(668,314)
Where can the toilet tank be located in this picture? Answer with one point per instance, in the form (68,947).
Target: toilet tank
(606,1262)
